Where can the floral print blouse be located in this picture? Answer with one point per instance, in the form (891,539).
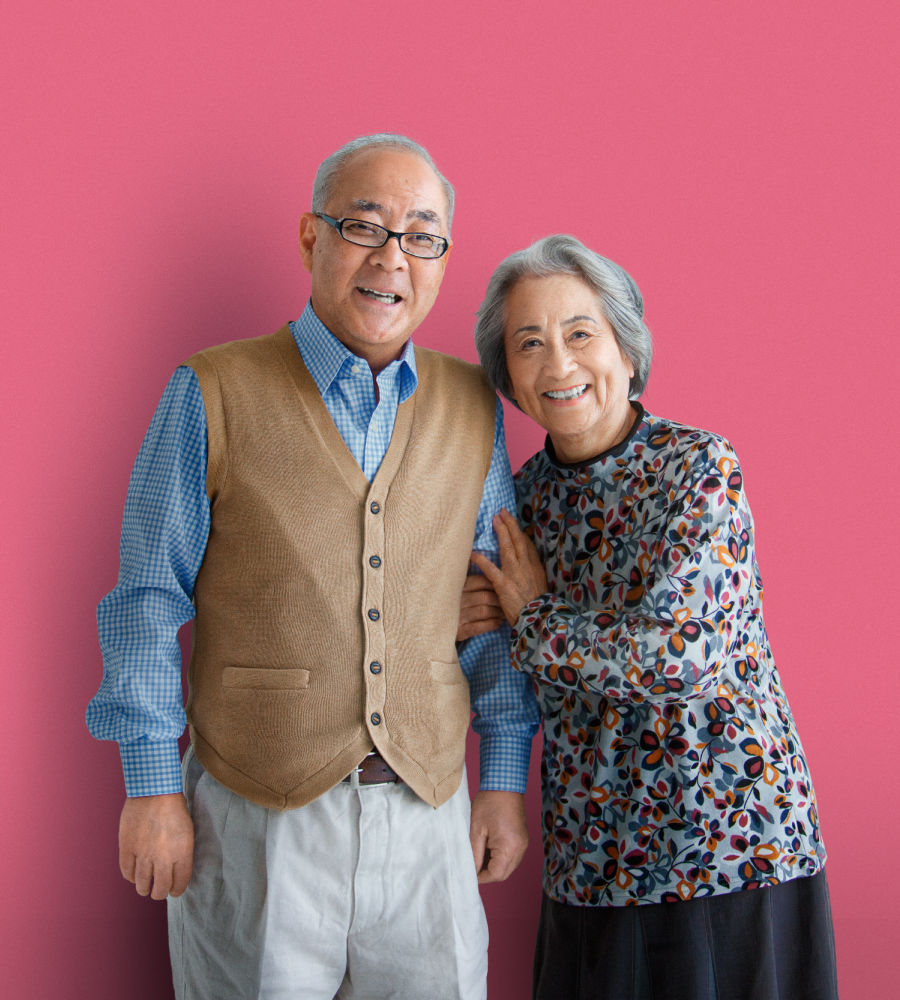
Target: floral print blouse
(672,767)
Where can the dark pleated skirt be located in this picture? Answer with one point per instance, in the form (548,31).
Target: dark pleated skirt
(773,943)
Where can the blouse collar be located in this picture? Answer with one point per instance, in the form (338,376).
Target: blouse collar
(637,434)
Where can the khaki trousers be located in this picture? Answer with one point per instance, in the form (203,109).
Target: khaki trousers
(365,893)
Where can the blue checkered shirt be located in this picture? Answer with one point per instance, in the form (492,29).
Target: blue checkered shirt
(164,533)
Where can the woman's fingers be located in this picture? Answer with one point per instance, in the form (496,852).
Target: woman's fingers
(520,544)
(518,538)
(530,568)
(492,572)
(505,582)
(521,577)
(509,557)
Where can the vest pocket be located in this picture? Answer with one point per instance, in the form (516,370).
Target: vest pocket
(447,673)
(265,678)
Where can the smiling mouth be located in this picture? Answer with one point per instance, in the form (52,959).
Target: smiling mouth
(389,298)
(573,393)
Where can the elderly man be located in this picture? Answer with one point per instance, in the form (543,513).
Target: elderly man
(314,496)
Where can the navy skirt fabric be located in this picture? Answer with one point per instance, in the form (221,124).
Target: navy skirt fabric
(773,943)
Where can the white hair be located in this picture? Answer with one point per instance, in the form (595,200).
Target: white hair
(620,299)
(331,167)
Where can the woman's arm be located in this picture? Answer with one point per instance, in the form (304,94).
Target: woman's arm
(688,585)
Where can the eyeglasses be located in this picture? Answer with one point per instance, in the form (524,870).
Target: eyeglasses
(367,234)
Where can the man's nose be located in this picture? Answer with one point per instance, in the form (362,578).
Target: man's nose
(390,256)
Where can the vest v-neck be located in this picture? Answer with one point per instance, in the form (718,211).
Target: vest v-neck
(311,400)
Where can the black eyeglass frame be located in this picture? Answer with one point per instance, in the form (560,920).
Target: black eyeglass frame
(338,224)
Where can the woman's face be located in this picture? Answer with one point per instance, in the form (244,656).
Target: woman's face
(566,368)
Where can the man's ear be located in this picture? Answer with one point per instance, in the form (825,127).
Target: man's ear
(307,239)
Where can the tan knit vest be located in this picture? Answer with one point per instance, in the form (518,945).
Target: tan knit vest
(327,607)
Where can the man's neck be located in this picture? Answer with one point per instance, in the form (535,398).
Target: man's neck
(376,356)
(379,362)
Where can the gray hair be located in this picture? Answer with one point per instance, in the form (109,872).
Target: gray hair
(331,167)
(620,299)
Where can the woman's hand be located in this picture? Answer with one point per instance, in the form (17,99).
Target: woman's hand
(521,577)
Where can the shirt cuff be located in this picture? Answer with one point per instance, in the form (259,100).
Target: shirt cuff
(151,767)
(504,762)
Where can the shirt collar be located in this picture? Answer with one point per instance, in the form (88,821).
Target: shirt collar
(325,356)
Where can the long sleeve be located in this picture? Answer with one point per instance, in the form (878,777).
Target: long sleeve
(164,535)
(506,712)
(164,532)
(665,627)
(671,762)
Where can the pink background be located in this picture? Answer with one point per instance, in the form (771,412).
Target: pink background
(737,159)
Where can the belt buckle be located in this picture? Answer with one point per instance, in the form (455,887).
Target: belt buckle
(373,784)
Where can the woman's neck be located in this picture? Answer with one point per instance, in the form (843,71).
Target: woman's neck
(599,440)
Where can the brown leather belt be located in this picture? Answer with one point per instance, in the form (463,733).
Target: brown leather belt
(375,770)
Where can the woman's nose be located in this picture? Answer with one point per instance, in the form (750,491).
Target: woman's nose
(560,362)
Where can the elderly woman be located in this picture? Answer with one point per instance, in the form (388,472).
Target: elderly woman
(673,776)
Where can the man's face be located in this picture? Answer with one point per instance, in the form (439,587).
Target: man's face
(400,192)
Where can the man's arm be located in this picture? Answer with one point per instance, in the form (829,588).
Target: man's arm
(506,712)
(139,704)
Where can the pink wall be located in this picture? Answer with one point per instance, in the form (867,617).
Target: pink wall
(736,158)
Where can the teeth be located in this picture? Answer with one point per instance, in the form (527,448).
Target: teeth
(388,297)
(572,393)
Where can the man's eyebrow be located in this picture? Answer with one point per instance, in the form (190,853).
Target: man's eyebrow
(424,215)
(367,206)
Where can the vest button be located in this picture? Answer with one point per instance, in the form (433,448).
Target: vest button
(376,719)
(374,562)
(374,614)
(375,667)
(375,507)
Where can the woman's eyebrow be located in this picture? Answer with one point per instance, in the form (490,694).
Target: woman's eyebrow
(565,322)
